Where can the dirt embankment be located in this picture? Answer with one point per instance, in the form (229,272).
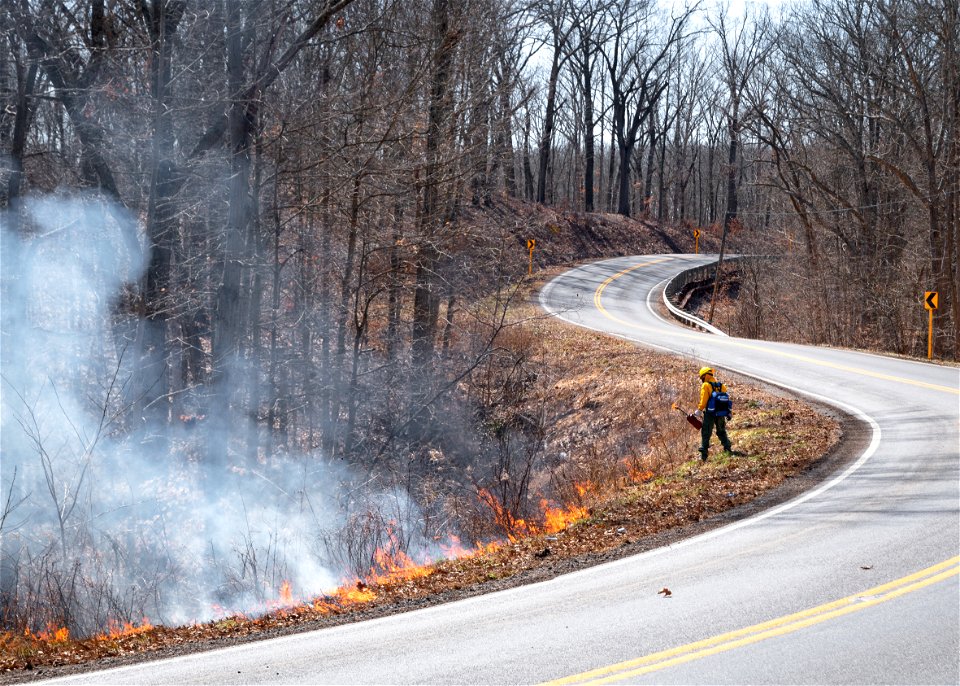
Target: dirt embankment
(565,237)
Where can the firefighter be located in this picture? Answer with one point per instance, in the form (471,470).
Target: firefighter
(712,416)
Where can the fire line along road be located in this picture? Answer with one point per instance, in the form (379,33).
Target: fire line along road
(856,581)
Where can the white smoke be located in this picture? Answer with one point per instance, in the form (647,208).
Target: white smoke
(102,518)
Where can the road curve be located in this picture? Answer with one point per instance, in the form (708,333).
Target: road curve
(854,582)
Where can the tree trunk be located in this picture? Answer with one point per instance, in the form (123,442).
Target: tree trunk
(229,316)
(347,295)
(729,216)
(651,158)
(588,154)
(527,169)
(276,273)
(623,181)
(155,368)
(662,181)
(425,298)
(327,391)
(951,80)
(26,82)
(546,140)
(395,284)
(505,146)
(66,80)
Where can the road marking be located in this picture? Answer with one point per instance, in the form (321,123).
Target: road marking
(853,370)
(784,625)
(770,629)
(875,433)
(598,294)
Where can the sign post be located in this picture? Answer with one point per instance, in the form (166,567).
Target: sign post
(696,241)
(931,300)
(531,243)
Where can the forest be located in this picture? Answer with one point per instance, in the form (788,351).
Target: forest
(258,255)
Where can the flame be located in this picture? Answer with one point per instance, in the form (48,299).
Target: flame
(557,518)
(391,564)
(52,634)
(513,526)
(584,487)
(640,475)
(346,596)
(554,518)
(349,594)
(453,549)
(359,593)
(116,629)
(635,472)
(61,634)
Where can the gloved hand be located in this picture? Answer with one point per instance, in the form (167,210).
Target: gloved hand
(698,414)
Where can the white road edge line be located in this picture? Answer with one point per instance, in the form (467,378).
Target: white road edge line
(766,514)
(280,640)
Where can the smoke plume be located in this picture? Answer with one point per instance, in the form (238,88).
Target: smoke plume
(103,522)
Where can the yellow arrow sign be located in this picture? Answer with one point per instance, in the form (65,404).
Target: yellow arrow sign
(930,300)
(531,243)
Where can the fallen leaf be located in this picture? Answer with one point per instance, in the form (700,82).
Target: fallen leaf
(665,592)
(866,566)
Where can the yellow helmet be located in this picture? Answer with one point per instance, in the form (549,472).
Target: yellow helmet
(704,371)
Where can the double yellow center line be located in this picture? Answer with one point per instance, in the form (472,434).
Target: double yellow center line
(598,294)
(771,629)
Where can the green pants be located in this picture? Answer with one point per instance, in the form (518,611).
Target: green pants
(709,422)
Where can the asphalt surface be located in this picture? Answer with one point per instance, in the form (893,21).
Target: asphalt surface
(855,582)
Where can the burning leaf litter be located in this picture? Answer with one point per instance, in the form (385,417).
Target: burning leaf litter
(652,498)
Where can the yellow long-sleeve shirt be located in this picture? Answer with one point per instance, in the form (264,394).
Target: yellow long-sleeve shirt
(706,389)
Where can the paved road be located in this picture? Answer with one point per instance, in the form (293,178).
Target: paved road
(854,582)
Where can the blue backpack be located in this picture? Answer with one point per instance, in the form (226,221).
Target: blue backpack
(719,404)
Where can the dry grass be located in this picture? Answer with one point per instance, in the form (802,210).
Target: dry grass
(613,445)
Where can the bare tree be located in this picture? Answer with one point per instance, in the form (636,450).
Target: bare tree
(925,38)
(587,25)
(433,215)
(637,58)
(555,14)
(741,54)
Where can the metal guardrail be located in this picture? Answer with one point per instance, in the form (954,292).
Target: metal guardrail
(676,286)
